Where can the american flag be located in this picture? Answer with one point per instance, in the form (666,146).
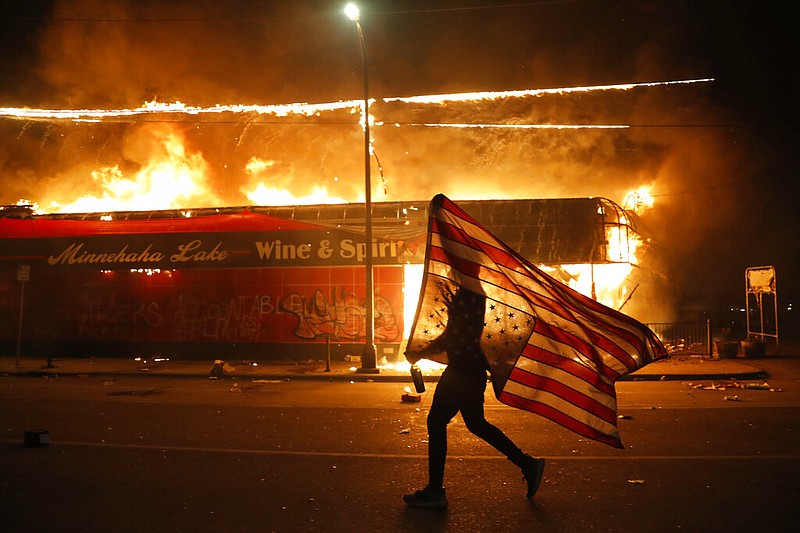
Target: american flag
(550,349)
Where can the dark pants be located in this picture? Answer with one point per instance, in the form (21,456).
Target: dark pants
(462,391)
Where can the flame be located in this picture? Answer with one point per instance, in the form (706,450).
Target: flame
(178,179)
(156,108)
(170,178)
(264,194)
(307,110)
(497,95)
(466,125)
(428,367)
(604,282)
(639,200)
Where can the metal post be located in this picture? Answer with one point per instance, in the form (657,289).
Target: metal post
(21,308)
(327,353)
(368,358)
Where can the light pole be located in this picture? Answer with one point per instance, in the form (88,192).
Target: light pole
(368,358)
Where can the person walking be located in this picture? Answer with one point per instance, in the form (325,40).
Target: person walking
(461,388)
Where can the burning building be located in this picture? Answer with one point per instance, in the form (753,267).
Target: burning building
(267,282)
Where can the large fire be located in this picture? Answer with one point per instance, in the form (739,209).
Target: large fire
(172,176)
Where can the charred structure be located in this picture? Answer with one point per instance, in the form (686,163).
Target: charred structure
(256,281)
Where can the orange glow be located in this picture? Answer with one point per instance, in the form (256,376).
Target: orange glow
(266,195)
(261,193)
(427,367)
(604,281)
(497,95)
(639,200)
(171,178)
(305,109)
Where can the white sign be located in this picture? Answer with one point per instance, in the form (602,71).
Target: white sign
(23,272)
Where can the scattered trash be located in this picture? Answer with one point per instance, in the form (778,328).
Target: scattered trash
(625,417)
(733,384)
(405,431)
(636,481)
(220,368)
(251,387)
(36,437)
(733,398)
(145,392)
(410,397)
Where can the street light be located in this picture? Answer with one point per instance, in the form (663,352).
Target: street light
(368,358)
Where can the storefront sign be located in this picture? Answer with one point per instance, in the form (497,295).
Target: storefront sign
(204,250)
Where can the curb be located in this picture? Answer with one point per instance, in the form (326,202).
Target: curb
(754,373)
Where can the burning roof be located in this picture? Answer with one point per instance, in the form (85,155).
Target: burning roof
(547,231)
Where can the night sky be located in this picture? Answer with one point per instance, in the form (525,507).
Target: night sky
(720,156)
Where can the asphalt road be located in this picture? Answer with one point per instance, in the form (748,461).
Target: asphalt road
(158,454)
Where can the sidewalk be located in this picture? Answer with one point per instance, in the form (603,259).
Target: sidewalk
(678,367)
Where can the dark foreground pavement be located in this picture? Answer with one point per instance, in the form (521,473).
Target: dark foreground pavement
(136,452)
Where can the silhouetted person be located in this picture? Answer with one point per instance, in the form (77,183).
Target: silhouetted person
(461,388)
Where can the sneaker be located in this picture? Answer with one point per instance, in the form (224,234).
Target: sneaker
(428,498)
(532,474)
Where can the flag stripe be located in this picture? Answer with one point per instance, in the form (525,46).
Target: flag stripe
(538,382)
(607,436)
(612,344)
(567,365)
(562,405)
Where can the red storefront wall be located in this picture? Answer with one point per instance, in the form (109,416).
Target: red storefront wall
(271,312)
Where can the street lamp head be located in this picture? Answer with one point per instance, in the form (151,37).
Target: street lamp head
(352,12)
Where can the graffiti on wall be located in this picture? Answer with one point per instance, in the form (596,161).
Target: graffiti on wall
(254,306)
(235,319)
(111,319)
(342,316)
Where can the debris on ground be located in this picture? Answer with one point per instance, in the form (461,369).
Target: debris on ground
(36,437)
(247,387)
(410,397)
(220,368)
(763,385)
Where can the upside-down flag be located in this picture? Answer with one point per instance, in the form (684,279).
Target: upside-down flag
(550,349)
